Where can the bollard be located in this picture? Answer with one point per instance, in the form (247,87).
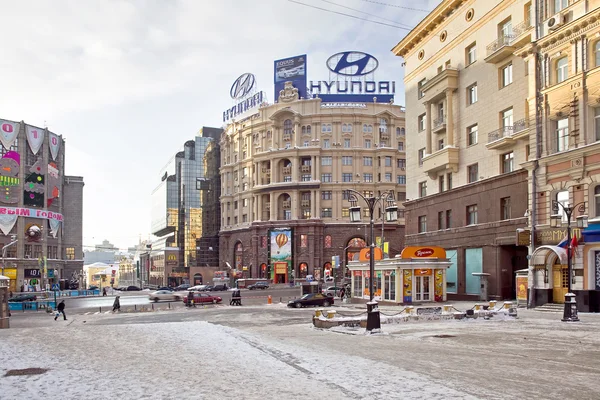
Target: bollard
(100,310)
(492,304)
(269,300)
(507,304)
(152,306)
(330,314)
(477,307)
(447,308)
(135,307)
(410,310)
(169,305)
(318,312)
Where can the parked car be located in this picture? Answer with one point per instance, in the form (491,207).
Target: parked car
(23,297)
(133,288)
(207,288)
(165,295)
(183,286)
(311,299)
(93,287)
(200,297)
(168,288)
(332,291)
(259,285)
(219,288)
(197,288)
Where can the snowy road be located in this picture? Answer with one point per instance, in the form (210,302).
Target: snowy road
(224,353)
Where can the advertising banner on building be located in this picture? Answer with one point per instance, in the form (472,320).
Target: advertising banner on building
(291,69)
(280,246)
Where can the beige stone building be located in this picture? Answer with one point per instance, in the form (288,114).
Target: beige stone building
(285,170)
(470,130)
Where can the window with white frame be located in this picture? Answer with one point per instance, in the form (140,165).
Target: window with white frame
(287,127)
(421,155)
(325,177)
(347,177)
(367,143)
(472,214)
(471,54)
(420,85)
(368,177)
(597,122)
(326,195)
(388,177)
(506,75)
(346,160)
(506,118)
(421,122)
(368,161)
(472,135)
(422,223)
(562,134)
(382,125)
(326,144)
(560,5)
(473,173)
(561,197)
(326,160)
(597,201)
(401,179)
(597,54)
(562,69)
(346,143)
(325,128)
(472,94)
(508,161)
(422,189)
(400,146)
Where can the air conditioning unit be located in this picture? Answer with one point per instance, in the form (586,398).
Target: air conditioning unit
(555,22)
(403,169)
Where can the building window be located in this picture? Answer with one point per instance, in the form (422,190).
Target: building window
(368,177)
(388,177)
(401,179)
(287,215)
(420,88)
(326,160)
(325,128)
(449,180)
(388,161)
(421,155)
(505,208)
(326,195)
(401,196)
(560,5)
(235,205)
(508,162)
(382,125)
(346,160)
(562,69)
(346,143)
(306,143)
(472,214)
(347,177)
(597,122)
(245,218)
(421,122)
(326,213)
(306,178)
(440,220)
(597,200)
(597,54)
(562,198)
(422,223)
(473,173)
(326,144)
(448,219)
(401,163)
(441,144)
(325,177)
(287,127)
(441,183)
(367,143)
(422,189)
(472,135)
(70,253)
(506,75)
(368,161)
(400,146)
(506,117)
(472,94)
(471,54)
(562,134)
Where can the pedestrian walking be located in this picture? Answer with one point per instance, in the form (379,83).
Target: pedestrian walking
(117,304)
(60,309)
(103,291)
(342,294)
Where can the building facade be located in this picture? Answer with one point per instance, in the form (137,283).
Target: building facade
(471,119)
(177,214)
(285,172)
(40,209)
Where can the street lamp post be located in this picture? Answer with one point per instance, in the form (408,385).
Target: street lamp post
(570,310)
(14,241)
(391,214)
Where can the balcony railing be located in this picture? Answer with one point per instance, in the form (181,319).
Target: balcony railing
(504,40)
(439,122)
(509,131)
(305,168)
(286,205)
(521,28)
(305,203)
(287,170)
(287,137)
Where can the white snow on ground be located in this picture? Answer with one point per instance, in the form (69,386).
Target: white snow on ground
(192,360)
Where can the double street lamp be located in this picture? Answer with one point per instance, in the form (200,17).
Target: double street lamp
(570,310)
(391,215)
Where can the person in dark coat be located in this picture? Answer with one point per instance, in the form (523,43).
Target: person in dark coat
(60,309)
(236,298)
(103,291)
(117,304)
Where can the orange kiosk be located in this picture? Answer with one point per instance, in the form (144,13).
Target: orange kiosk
(418,274)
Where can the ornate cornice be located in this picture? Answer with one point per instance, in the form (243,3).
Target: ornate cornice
(570,32)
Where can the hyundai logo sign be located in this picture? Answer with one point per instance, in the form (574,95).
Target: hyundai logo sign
(242,86)
(352,63)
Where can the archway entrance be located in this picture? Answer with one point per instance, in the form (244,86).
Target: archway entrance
(554,262)
(197,279)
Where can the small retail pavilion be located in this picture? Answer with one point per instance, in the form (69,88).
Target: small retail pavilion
(417,275)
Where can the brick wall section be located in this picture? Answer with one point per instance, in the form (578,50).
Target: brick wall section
(73,223)
(496,237)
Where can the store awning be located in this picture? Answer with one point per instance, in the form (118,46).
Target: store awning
(591,233)
(540,255)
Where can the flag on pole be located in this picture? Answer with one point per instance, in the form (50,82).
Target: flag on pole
(574,244)
(563,243)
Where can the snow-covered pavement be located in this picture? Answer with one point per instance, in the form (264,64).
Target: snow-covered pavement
(252,353)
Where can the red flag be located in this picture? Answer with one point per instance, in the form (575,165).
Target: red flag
(574,245)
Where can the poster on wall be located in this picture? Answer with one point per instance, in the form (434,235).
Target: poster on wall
(291,69)
(8,132)
(280,243)
(35,138)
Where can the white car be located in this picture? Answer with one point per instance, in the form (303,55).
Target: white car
(197,288)
(165,295)
(333,291)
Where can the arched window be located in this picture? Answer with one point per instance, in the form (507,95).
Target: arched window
(365,128)
(287,127)
(328,241)
(397,131)
(562,69)
(597,201)
(382,125)
(308,129)
(303,130)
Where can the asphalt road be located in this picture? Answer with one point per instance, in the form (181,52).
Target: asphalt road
(140,299)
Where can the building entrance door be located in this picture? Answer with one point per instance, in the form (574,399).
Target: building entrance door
(422,291)
(560,283)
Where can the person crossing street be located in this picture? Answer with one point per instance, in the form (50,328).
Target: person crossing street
(60,309)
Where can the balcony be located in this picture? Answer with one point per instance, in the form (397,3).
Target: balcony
(304,203)
(287,137)
(436,87)
(500,49)
(522,33)
(287,170)
(266,171)
(445,159)
(506,136)
(439,125)
(286,205)
(305,169)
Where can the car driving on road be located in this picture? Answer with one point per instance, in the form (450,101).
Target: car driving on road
(311,299)
(259,285)
(201,297)
(165,295)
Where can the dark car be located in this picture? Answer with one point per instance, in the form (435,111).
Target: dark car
(170,289)
(93,287)
(207,288)
(184,286)
(218,288)
(311,299)
(259,285)
(200,297)
(23,297)
(133,288)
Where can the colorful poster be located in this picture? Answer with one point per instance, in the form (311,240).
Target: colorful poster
(522,288)
(35,138)
(438,291)
(54,143)
(8,132)
(292,69)
(9,177)
(407,286)
(280,242)
(7,222)
(33,190)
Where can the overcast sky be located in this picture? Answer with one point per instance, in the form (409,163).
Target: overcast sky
(126,83)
